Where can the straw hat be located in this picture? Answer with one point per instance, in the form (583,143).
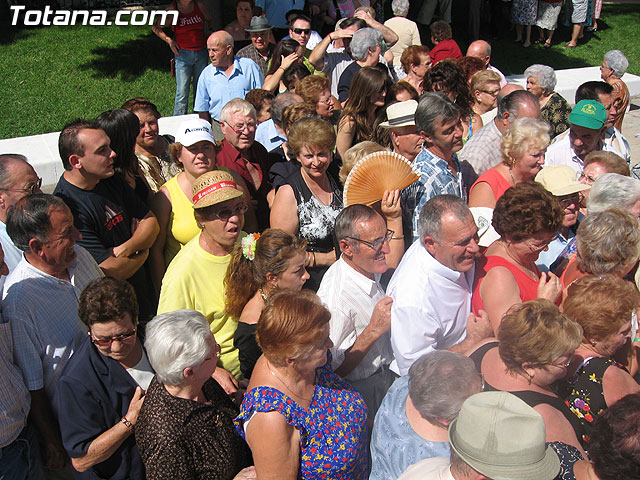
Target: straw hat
(560,180)
(214,187)
(401,114)
(502,437)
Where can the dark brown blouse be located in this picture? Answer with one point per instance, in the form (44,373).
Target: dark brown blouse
(184,439)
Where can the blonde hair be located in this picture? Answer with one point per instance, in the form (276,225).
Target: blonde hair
(481,79)
(524,133)
(356,153)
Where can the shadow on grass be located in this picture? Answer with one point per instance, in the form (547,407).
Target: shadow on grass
(130,59)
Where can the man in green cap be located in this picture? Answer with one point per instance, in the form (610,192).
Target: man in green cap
(586,129)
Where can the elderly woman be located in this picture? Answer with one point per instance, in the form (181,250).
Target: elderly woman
(598,163)
(613,67)
(611,190)
(547,20)
(534,348)
(310,200)
(100,392)
(602,305)
(523,147)
(554,109)
(194,279)
(415,61)
(300,419)
(154,160)
(195,150)
(523,15)
(527,218)
(314,90)
(408,34)
(185,429)
(485,87)
(260,266)
(606,242)
(417,410)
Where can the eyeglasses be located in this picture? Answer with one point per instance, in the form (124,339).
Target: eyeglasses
(376,245)
(105,342)
(537,248)
(300,31)
(30,188)
(325,100)
(493,93)
(226,213)
(262,34)
(241,127)
(588,179)
(563,364)
(572,199)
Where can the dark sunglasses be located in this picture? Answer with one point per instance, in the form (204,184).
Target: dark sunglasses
(299,31)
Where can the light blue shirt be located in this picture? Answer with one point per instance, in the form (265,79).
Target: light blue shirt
(275,10)
(555,248)
(268,136)
(215,89)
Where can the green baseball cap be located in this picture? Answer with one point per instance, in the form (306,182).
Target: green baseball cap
(588,114)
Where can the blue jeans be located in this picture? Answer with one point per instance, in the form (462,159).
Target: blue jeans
(20,460)
(189,65)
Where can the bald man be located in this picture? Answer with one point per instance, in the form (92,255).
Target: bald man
(482,50)
(225,78)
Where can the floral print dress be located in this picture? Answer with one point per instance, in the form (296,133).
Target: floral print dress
(584,394)
(333,430)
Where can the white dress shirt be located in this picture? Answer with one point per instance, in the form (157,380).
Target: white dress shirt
(431,304)
(437,468)
(351,297)
(560,152)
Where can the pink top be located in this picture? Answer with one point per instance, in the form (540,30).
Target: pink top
(528,287)
(496,181)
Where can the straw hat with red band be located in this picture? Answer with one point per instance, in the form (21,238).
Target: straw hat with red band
(214,187)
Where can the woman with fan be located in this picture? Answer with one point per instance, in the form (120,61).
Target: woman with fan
(367,94)
(309,201)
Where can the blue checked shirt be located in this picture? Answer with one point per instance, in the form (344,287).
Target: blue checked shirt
(436,178)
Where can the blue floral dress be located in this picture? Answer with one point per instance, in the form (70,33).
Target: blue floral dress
(333,431)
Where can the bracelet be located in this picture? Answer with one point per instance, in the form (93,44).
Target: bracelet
(636,339)
(307,259)
(127,423)
(399,237)
(314,259)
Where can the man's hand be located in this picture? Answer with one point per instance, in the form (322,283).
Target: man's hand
(381,317)
(549,287)
(173,46)
(226,380)
(479,328)
(341,33)
(366,16)
(135,405)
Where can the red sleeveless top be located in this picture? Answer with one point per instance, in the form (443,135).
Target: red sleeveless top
(189,32)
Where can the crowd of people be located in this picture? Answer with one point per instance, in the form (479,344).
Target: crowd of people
(208,306)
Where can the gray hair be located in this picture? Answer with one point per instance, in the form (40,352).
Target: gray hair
(617,62)
(434,106)
(430,220)
(348,220)
(400,7)
(608,242)
(363,40)
(175,341)
(544,74)
(281,102)
(612,190)
(511,103)
(439,383)
(7,159)
(237,105)
(30,218)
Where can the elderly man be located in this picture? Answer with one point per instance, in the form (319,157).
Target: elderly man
(431,289)
(270,133)
(587,124)
(20,459)
(482,50)
(613,140)
(41,304)
(482,151)
(495,436)
(225,78)
(438,121)
(417,410)
(401,121)
(242,154)
(260,49)
(613,67)
(366,48)
(360,311)
(117,227)
(17,179)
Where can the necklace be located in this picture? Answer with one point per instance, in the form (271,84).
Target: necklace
(306,399)
(511,175)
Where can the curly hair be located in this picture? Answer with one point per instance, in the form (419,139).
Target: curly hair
(257,97)
(311,87)
(526,210)
(294,112)
(311,131)
(107,299)
(601,304)
(447,77)
(471,66)
(244,277)
(411,56)
(523,134)
(537,333)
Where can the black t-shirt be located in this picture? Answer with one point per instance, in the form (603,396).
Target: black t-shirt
(104,217)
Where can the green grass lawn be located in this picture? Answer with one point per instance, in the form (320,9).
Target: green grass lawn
(50,75)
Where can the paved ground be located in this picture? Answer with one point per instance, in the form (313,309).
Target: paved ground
(631,129)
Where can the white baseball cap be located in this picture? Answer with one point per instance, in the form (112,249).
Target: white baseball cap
(193,131)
